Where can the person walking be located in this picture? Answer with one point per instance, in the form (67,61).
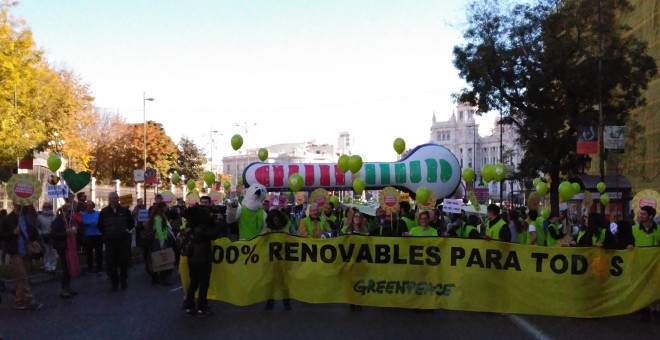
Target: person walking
(93,240)
(17,230)
(45,219)
(116,223)
(63,227)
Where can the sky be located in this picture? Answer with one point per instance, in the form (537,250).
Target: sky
(301,70)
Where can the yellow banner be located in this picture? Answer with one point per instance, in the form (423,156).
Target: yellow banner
(435,273)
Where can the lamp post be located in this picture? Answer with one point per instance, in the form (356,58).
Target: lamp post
(246,127)
(56,143)
(474,150)
(213,132)
(144,128)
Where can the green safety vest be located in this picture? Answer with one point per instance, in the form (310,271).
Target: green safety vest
(550,240)
(332,218)
(250,224)
(310,225)
(494,231)
(644,239)
(540,232)
(465,230)
(409,223)
(581,233)
(419,231)
(523,237)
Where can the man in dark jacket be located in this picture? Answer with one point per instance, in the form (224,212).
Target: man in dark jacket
(116,223)
(201,228)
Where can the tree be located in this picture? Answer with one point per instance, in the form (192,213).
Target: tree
(36,101)
(539,65)
(191,160)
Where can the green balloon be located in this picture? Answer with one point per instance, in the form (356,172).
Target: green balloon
(176,178)
(422,195)
(468,175)
(601,187)
(604,199)
(487,172)
(355,163)
(500,172)
(342,163)
(236,142)
(545,212)
(399,145)
(295,182)
(226,185)
(334,200)
(576,188)
(240,181)
(542,188)
(565,190)
(209,178)
(263,154)
(536,181)
(358,185)
(54,162)
(191,184)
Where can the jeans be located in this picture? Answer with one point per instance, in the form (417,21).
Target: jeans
(94,246)
(66,275)
(200,277)
(20,265)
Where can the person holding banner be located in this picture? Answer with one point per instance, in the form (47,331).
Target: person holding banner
(496,228)
(645,232)
(555,232)
(314,225)
(62,227)
(590,233)
(276,222)
(423,228)
(407,216)
(201,229)
(357,225)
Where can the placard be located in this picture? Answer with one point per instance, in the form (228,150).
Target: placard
(57,191)
(452,206)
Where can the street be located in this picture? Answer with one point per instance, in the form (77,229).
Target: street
(145,311)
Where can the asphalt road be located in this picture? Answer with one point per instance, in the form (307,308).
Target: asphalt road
(153,312)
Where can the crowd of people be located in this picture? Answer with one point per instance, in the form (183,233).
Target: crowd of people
(77,227)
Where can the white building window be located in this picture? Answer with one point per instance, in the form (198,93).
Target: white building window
(448,135)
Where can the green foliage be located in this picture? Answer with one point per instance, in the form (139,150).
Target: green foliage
(539,64)
(190,160)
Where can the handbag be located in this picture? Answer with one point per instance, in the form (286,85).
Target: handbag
(34,249)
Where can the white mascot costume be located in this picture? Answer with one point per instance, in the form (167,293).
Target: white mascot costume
(250,215)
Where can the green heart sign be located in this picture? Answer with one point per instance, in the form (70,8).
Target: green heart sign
(76,181)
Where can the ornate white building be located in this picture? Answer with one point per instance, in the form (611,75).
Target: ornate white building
(460,134)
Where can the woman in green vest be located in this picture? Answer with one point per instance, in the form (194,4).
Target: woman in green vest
(357,226)
(423,228)
(276,222)
(516,222)
(555,233)
(590,233)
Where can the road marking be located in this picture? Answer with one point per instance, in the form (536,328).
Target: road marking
(175,289)
(528,327)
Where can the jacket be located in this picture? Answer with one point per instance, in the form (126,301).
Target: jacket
(8,236)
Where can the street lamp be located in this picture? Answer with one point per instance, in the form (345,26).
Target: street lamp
(56,143)
(213,132)
(144,127)
(474,149)
(246,127)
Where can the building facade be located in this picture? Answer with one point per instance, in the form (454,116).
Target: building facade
(460,134)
